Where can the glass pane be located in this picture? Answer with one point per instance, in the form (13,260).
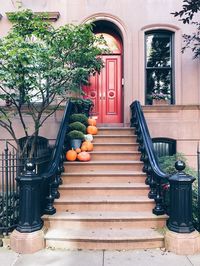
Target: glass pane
(158,50)
(158,83)
(112,43)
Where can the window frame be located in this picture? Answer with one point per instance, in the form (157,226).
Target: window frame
(171,68)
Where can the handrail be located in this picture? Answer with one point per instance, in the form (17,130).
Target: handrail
(155,176)
(56,163)
(148,142)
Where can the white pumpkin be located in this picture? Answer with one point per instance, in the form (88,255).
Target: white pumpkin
(88,137)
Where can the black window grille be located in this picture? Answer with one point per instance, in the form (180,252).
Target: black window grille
(164,146)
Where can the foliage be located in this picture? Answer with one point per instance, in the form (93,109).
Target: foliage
(190,8)
(80,118)
(75,134)
(38,63)
(167,164)
(81,105)
(77,126)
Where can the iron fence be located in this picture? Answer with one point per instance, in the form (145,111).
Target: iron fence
(9,192)
(196,195)
(12,166)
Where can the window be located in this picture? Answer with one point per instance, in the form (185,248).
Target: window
(159,65)
(164,146)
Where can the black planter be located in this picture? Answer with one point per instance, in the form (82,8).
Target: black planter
(75,143)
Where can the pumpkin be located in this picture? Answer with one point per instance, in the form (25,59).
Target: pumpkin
(71,155)
(78,150)
(84,156)
(92,122)
(84,148)
(90,146)
(88,137)
(92,130)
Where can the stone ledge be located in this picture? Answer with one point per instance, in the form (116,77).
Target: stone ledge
(182,244)
(27,243)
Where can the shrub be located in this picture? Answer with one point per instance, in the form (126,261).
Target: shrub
(81,106)
(77,126)
(79,118)
(75,134)
(167,164)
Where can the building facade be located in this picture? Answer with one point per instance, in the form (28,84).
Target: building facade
(145,42)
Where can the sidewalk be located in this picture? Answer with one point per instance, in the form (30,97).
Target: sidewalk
(155,257)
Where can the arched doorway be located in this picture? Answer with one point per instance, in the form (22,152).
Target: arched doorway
(105,89)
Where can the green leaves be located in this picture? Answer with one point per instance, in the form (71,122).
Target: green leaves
(39,63)
(187,14)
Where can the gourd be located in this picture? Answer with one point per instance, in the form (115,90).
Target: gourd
(92,130)
(71,155)
(84,156)
(92,122)
(84,147)
(88,145)
(78,150)
(88,137)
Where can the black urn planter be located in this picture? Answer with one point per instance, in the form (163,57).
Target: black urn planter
(75,143)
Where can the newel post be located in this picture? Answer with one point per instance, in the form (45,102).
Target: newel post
(180,219)
(181,238)
(28,236)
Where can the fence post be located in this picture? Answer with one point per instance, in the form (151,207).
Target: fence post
(28,237)
(180,224)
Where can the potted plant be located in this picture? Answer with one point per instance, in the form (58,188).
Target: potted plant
(81,105)
(77,126)
(80,118)
(75,138)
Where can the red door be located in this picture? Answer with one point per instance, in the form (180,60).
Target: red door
(105,90)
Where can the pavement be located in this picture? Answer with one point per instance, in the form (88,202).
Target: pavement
(149,257)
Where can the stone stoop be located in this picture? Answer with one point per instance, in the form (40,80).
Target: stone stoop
(104,203)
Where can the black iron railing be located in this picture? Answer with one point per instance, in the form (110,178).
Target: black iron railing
(11,166)
(9,193)
(38,191)
(179,204)
(156,178)
(196,195)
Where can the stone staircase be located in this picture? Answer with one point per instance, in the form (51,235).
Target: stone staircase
(103,203)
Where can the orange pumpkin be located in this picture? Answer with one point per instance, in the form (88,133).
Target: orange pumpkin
(88,145)
(78,150)
(71,155)
(84,147)
(92,130)
(84,156)
(92,122)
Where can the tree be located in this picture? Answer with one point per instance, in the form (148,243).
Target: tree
(38,63)
(190,8)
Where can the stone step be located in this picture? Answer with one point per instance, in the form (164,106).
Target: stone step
(115,146)
(114,139)
(107,239)
(104,177)
(109,220)
(116,155)
(104,189)
(91,166)
(116,131)
(104,203)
